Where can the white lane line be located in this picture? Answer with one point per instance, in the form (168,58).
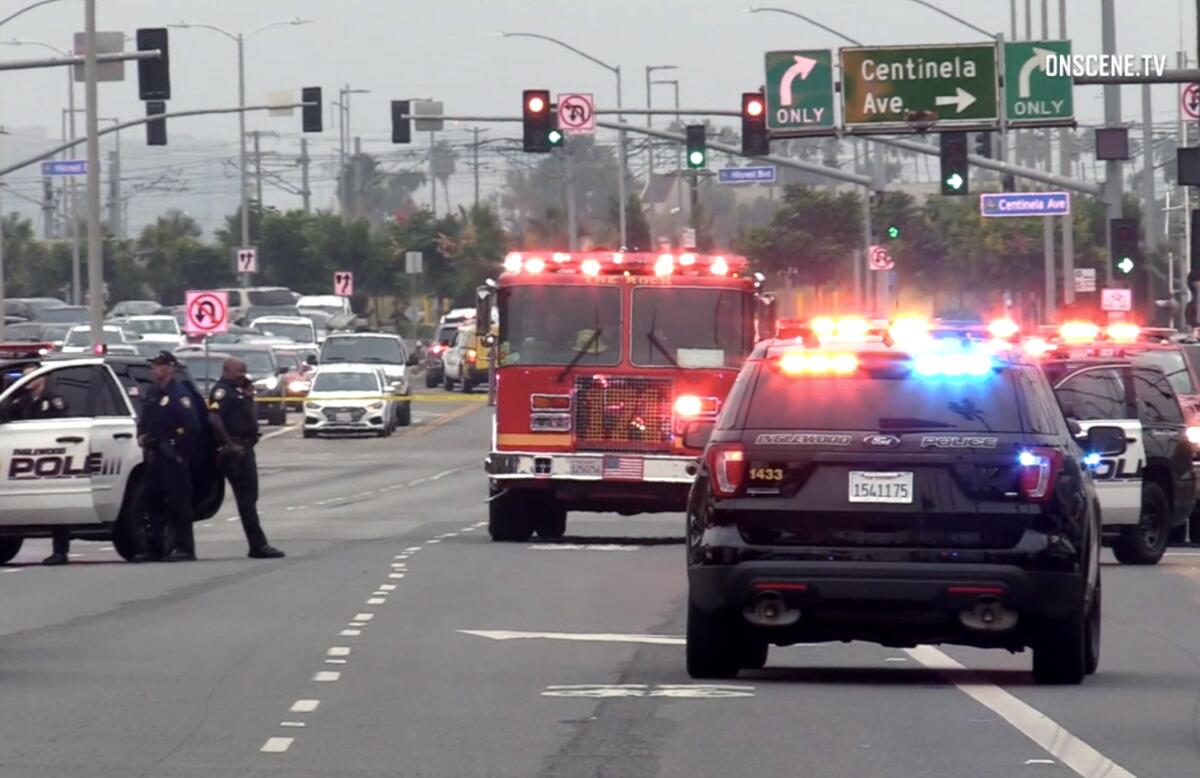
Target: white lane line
(231,519)
(396,575)
(400,556)
(377,601)
(578,547)
(75,556)
(364,616)
(305,706)
(387,587)
(1034,724)
(350,633)
(207,524)
(279,432)
(379,593)
(335,661)
(326,676)
(411,549)
(896,659)
(399,565)
(357,624)
(12,570)
(338,651)
(292,724)
(1039,761)
(276,745)
(431,541)
(106,548)
(1182,553)
(583,637)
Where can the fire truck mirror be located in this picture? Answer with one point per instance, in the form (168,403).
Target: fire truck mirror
(696,434)
(489,339)
(765,313)
(483,306)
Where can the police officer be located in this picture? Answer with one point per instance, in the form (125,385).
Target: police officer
(232,416)
(38,402)
(169,432)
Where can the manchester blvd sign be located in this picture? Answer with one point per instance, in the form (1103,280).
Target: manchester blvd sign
(886,86)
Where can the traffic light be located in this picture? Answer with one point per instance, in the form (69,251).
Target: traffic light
(755,142)
(983,144)
(401,124)
(555,136)
(697,150)
(156,129)
(154,75)
(310,114)
(536,120)
(954,163)
(893,232)
(1123,244)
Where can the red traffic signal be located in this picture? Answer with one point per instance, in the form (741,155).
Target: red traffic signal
(536,120)
(755,141)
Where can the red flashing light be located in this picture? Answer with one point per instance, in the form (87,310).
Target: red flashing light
(690,406)
(754,107)
(1036,347)
(1078,332)
(535,265)
(536,104)
(99,349)
(1004,329)
(1037,470)
(794,363)
(1123,332)
(719,266)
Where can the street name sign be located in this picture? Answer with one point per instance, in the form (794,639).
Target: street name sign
(800,90)
(882,87)
(64,167)
(1025,204)
(765,174)
(1031,96)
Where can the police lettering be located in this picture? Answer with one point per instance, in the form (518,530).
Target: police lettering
(1116,469)
(958,441)
(52,466)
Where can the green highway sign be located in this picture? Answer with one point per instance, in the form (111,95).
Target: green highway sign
(1031,96)
(885,86)
(800,91)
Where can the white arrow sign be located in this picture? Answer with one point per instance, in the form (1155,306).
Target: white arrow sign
(1036,62)
(803,66)
(962,99)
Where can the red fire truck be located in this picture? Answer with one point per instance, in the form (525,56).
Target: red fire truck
(610,369)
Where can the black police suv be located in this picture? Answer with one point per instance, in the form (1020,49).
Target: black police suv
(1147,493)
(896,496)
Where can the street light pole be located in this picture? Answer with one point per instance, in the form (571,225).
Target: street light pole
(95,247)
(616,71)
(649,118)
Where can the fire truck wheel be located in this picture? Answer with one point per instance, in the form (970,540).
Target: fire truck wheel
(509,519)
(552,523)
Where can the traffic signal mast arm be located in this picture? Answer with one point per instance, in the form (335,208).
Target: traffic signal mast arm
(30,64)
(136,122)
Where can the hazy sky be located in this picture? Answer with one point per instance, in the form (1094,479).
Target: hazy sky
(443,49)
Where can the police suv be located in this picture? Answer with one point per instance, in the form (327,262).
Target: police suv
(899,490)
(82,469)
(1149,490)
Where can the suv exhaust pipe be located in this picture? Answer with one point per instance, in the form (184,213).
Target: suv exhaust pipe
(988,615)
(769,610)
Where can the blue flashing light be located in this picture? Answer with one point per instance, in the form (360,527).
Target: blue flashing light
(1028,459)
(970,361)
(1092,459)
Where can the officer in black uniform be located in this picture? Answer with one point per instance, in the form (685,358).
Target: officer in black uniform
(233,419)
(38,402)
(169,432)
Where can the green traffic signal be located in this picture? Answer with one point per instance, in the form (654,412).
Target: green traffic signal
(696,159)
(893,231)
(954,182)
(1126,265)
(554,137)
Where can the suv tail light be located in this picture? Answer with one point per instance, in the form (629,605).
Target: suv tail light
(726,467)
(1037,470)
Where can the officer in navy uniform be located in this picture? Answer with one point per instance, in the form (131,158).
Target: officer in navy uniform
(169,432)
(38,402)
(232,416)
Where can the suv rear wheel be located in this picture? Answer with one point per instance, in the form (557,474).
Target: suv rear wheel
(9,548)
(1091,637)
(1145,542)
(713,643)
(1060,655)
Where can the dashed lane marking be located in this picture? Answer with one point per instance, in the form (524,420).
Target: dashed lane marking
(1037,726)
(580,547)
(364,616)
(376,601)
(582,637)
(335,661)
(350,633)
(326,676)
(357,624)
(338,651)
(1040,761)
(276,745)
(305,706)
(387,587)
(396,576)
(292,724)
(683,691)
(280,432)
(431,541)
(412,549)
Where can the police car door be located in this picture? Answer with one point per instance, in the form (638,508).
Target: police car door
(114,447)
(1101,396)
(46,476)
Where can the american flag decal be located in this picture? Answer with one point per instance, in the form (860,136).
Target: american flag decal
(622,468)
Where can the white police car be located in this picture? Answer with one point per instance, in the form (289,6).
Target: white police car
(83,470)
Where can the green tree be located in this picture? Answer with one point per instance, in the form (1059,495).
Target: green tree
(811,238)
(169,258)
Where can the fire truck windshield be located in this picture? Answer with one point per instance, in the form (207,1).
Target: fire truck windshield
(557,325)
(691,327)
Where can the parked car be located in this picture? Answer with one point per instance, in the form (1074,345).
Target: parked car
(79,339)
(129,308)
(156,328)
(330,304)
(63,314)
(297,381)
(298,329)
(466,362)
(374,349)
(350,398)
(434,367)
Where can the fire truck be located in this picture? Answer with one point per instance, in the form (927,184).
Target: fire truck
(609,372)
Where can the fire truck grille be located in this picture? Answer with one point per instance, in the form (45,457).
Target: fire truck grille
(617,413)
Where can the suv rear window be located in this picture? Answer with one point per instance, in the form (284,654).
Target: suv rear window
(867,402)
(1170,361)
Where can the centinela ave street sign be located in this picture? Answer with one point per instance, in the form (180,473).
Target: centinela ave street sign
(1025,204)
(800,91)
(1031,96)
(884,86)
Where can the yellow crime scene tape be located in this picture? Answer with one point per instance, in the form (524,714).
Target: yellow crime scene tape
(430,398)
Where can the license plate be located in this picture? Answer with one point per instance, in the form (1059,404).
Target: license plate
(341,417)
(585,466)
(881,487)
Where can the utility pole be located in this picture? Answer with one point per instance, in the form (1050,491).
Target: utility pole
(245,196)
(1,273)
(432,176)
(72,212)
(1048,221)
(47,209)
(1114,187)
(95,246)
(572,207)
(1066,150)
(882,277)
(356,161)
(303,162)
(475,163)
(258,192)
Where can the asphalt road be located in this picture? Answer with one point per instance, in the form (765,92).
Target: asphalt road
(395,639)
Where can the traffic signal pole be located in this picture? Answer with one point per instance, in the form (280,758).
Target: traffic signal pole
(95,247)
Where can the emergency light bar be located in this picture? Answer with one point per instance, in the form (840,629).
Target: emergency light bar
(595,263)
